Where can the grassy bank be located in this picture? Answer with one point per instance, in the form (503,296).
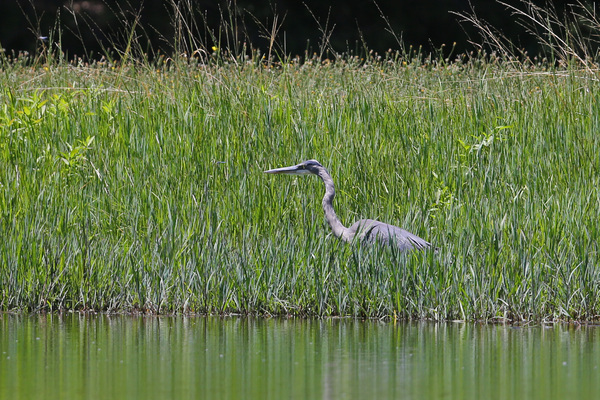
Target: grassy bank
(140,187)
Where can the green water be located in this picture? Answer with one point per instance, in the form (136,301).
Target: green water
(119,357)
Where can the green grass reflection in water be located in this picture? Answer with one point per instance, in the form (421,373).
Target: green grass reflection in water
(106,357)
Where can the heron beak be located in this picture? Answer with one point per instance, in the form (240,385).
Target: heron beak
(293,170)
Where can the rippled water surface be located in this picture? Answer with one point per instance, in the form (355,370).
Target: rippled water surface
(109,357)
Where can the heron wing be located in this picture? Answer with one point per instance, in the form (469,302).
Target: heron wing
(371,231)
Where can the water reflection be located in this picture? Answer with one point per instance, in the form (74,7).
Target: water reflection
(100,357)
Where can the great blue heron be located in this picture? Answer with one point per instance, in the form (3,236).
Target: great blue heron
(368,230)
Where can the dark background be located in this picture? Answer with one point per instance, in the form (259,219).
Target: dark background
(90,28)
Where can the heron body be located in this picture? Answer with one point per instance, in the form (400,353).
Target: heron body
(365,230)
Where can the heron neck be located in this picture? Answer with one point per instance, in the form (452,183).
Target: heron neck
(337,228)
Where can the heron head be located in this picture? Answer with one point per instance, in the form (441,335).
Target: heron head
(304,168)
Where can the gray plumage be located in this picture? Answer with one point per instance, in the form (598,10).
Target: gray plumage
(365,230)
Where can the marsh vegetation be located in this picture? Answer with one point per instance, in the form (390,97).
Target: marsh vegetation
(137,185)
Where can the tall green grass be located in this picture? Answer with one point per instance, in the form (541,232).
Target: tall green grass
(139,187)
